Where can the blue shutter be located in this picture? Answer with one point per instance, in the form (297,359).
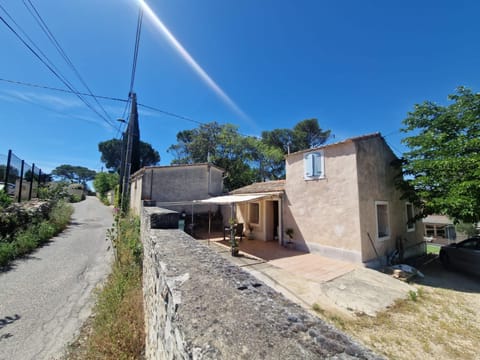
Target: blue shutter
(317,164)
(313,165)
(309,167)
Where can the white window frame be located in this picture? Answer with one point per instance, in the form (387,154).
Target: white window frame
(389,232)
(250,213)
(410,227)
(309,160)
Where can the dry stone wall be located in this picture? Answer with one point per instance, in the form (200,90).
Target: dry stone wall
(200,306)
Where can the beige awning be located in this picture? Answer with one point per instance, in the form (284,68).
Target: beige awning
(233,199)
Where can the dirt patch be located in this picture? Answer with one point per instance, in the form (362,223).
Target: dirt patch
(441,322)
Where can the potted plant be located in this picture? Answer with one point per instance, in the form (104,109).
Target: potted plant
(250,231)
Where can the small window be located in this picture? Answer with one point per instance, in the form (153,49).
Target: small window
(254,213)
(383,224)
(410,215)
(314,166)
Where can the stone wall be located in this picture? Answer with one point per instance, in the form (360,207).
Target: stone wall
(19,216)
(198,305)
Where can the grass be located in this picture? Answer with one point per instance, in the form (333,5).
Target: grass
(37,234)
(435,324)
(433,249)
(117,329)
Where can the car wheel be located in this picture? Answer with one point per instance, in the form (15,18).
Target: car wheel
(444,259)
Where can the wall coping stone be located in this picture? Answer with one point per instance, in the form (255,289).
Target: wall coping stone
(199,305)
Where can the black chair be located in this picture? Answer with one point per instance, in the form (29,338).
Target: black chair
(238,231)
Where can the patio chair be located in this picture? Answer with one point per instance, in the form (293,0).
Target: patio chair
(239,231)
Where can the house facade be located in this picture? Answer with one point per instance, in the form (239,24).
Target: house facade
(170,186)
(338,200)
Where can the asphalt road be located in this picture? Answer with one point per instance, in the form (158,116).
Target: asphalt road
(45,298)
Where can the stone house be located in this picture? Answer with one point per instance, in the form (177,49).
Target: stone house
(173,187)
(339,200)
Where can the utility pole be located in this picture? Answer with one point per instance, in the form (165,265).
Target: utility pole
(131,155)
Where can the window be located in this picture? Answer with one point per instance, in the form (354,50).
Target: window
(383,224)
(254,213)
(314,166)
(410,215)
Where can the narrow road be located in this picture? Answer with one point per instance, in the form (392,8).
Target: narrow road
(45,297)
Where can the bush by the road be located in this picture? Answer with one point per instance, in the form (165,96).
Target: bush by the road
(26,240)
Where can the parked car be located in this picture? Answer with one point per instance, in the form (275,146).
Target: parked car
(464,255)
(11,188)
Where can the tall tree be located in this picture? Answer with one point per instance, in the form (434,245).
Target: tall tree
(442,167)
(305,134)
(223,146)
(111,151)
(74,174)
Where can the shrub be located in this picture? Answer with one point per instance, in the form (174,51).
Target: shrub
(25,242)
(45,231)
(5,200)
(74,198)
(6,253)
(60,215)
(54,191)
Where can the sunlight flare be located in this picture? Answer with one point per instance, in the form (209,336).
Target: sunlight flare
(190,60)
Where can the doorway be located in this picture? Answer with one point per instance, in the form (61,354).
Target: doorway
(272,220)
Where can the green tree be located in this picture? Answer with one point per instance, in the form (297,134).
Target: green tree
(442,167)
(111,151)
(305,134)
(105,182)
(221,145)
(74,174)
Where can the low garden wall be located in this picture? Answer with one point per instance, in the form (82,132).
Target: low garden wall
(198,305)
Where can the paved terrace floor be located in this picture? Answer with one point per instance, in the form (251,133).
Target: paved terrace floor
(309,279)
(307,265)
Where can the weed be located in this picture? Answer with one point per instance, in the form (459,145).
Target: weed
(118,327)
(413,295)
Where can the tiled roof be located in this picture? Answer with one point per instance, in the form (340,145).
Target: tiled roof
(261,187)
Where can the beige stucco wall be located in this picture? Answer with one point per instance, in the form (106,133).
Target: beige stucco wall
(324,213)
(176,183)
(376,182)
(136,195)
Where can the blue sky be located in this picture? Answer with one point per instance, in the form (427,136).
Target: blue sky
(356,66)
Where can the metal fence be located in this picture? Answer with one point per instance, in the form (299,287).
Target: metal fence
(19,179)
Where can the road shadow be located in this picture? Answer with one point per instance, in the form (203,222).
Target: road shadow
(7,320)
(437,276)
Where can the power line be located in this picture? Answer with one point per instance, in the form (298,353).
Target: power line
(49,67)
(171,114)
(137,45)
(38,18)
(61,90)
(168,113)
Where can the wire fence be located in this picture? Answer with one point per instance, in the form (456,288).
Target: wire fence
(19,179)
